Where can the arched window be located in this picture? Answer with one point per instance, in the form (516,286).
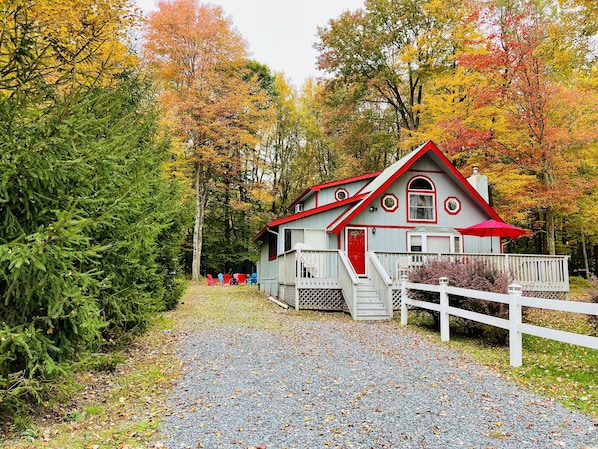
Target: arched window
(422,200)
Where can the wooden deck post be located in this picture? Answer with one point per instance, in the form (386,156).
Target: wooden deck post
(403,297)
(298,277)
(515,340)
(444,315)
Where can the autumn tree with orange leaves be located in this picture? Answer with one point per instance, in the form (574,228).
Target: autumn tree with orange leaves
(527,125)
(213,102)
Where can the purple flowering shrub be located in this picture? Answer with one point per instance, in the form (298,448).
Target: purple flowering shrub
(474,275)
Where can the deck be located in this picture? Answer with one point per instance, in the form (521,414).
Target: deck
(325,280)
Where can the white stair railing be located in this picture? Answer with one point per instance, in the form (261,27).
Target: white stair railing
(381,282)
(349,282)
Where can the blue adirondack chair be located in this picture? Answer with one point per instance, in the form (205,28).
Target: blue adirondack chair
(253,279)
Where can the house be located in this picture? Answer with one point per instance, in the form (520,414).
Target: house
(346,242)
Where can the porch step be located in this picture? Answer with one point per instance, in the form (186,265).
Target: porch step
(369,304)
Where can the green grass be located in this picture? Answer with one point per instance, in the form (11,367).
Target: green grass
(229,306)
(564,372)
(578,283)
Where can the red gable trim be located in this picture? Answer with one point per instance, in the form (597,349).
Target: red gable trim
(319,187)
(307,213)
(428,146)
(346,181)
(299,198)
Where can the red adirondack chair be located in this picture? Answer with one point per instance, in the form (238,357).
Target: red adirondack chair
(226,279)
(210,279)
(241,279)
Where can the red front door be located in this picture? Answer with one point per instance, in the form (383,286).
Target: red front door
(356,249)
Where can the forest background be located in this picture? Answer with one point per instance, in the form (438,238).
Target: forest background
(137,150)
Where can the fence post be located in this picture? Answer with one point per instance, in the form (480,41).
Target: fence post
(403,297)
(515,341)
(444,315)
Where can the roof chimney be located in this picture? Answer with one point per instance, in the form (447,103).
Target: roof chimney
(480,183)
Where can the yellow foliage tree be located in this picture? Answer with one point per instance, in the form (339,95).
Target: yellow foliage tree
(65,43)
(215,103)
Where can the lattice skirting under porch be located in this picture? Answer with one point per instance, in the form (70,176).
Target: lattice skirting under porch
(320,299)
(287,294)
(547,295)
(396,300)
(313,298)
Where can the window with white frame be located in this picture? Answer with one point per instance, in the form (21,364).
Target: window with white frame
(434,243)
(422,200)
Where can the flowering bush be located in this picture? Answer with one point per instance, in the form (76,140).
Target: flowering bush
(474,275)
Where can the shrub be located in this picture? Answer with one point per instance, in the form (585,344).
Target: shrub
(476,275)
(87,242)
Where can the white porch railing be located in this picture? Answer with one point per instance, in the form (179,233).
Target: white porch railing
(536,273)
(514,324)
(287,268)
(317,269)
(309,268)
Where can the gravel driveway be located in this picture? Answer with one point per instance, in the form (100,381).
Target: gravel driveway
(342,384)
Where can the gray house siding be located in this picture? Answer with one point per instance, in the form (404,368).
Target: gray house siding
(268,273)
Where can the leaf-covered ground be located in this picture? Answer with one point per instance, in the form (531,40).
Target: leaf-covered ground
(124,407)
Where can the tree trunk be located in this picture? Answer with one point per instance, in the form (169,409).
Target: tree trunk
(201,195)
(550,233)
(584,250)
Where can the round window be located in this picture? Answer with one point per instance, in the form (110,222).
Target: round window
(390,203)
(341,194)
(452,205)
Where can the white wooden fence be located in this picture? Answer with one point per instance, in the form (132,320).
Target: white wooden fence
(514,324)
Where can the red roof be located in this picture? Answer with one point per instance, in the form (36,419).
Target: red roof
(306,213)
(380,182)
(388,176)
(326,185)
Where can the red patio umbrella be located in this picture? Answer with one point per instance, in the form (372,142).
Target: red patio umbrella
(493,228)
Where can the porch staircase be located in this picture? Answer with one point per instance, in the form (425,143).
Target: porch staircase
(369,304)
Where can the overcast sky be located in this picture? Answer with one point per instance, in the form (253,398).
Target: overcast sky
(281,33)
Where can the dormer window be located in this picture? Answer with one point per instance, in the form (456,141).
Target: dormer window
(422,200)
(341,194)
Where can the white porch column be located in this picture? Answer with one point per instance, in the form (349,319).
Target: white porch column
(298,276)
